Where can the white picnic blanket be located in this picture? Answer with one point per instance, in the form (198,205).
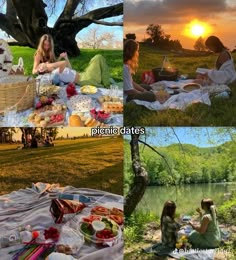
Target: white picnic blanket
(30,206)
(182,100)
(20,119)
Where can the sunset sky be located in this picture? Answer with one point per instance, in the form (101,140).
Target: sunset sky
(218,17)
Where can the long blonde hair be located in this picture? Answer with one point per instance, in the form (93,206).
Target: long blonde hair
(131,55)
(46,56)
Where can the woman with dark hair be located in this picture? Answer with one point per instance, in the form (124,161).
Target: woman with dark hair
(207,235)
(169,227)
(132,90)
(224,71)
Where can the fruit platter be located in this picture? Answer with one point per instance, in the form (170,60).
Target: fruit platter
(49,112)
(100,230)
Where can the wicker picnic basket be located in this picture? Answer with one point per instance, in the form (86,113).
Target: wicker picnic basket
(17,92)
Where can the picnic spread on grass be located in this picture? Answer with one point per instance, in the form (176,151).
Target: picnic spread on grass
(183,93)
(26,102)
(47,218)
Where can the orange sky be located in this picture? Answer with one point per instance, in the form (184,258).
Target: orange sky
(174,15)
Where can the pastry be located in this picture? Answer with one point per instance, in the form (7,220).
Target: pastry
(75,120)
(99,210)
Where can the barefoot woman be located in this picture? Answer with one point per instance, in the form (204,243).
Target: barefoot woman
(97,73)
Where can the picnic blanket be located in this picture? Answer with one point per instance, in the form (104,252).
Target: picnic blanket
(192,254)
(20,119)
(30,206)
(182,100)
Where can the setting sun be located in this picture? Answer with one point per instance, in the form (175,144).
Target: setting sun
(197,29)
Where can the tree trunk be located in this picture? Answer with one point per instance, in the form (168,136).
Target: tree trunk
(26,21)
(140,180)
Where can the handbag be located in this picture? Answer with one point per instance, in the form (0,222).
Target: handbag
(59,208)
(148,77)
(18,69)
(166,72)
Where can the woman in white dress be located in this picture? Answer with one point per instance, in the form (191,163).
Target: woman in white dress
(224,71)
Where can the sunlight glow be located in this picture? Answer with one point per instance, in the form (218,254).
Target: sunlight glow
(197,29)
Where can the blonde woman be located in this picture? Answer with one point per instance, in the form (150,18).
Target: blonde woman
(132,90)
(97,73)
(207,234)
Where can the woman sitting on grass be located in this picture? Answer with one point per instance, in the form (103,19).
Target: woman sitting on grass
(132,90)
(169,227)
(224,72)
(207,235)
(97,73)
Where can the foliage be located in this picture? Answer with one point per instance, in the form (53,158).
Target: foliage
(159,39)
(113,57)
(135,226)
(227,211)
(194,165)
(221,112)
(131,36)
(199,44)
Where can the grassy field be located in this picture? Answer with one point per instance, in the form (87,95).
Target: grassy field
(88,163)
(114,59)
(220,113)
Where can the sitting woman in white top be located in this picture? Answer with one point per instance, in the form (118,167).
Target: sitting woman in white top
(224,71)
(132,90)
(97,73)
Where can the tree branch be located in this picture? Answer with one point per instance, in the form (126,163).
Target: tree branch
(108,23)
(89,18)
(11,11)
(162,156)
(69,9)
(11,29)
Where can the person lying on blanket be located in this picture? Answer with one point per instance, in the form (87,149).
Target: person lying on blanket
(224,71)
(207,235)
(97,72)
(169,226)
(132,90)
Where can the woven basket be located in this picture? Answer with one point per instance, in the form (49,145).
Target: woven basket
(16,92)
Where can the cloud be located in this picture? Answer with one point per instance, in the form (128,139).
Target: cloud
(172,11)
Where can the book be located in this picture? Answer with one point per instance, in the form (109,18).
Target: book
(202,70)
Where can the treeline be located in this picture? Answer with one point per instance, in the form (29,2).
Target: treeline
(187,164)
(158,38)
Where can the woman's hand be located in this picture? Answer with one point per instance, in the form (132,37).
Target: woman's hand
(199,211)
(42,67)
(63,55)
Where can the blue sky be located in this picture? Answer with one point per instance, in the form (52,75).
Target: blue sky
(116,30)
(199,136)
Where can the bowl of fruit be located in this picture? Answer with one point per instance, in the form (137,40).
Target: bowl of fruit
(100,230)
(100,115)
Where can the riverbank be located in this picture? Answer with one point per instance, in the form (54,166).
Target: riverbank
(151,234)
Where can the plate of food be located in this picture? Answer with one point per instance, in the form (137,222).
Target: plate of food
(100,230)
(80,103)
(88,89)
(191,87)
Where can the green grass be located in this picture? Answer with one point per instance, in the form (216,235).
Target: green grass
(220,113)
(114,59)
(89,163)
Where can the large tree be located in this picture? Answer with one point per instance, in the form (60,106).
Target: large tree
(26,21)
